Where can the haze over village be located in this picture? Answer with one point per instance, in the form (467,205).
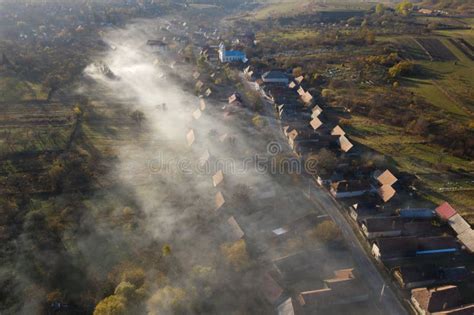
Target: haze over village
(236,157)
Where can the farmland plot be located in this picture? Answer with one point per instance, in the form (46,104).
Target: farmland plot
(466,48)
(436,49)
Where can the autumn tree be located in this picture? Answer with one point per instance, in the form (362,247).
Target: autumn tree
(298,71)
(404,7)
(111,305)
(379,9)
(400,69)
(326,231)
(52,82)
(168,300)
(138,116)
(236,254)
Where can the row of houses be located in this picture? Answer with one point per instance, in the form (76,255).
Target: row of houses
(397,238)
(309,130)
(423,250)
(285,283)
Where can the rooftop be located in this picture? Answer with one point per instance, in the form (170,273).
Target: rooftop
(437,299)
(445,211)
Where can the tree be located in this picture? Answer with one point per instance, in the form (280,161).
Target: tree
(325,161)
(259,122)
(111,305)
(326,93)
(400,69)
(326,231)
(168,300)
(379,9)
(166,250)
(138,116)
(404,7)
(369,37)
(134,275)
(236,254)
(56,172)
(241,194)
(298,71)
(52,82)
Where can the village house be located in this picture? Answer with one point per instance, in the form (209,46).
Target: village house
(219,200)
(317,263)
(235,231)
(359,212)
(416,213)
(458,224)
(275,77)
(344,144)
(425,11)
(197,114)
(217,178)
(226,56)
(316,111)
(337,131)
(385,178)
(304,146)
(343,288)
(289,307)
(382,227)
(392,248)
(409,277)
(386,192)
(190,137)
(445,211)
(324,179)
(464,232)
(271,289)
(439,300)
(350,188)
(467,239)
(296,227)
(385,249)
(157,45)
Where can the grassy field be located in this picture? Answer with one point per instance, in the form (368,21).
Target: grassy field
(447,85)
(288,35)
(12,89)
(278,8)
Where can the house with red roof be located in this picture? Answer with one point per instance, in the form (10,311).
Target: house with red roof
(445,211)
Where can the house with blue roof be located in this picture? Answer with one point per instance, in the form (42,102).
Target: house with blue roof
(231,55)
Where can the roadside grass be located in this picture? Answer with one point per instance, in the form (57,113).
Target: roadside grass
(12,89)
